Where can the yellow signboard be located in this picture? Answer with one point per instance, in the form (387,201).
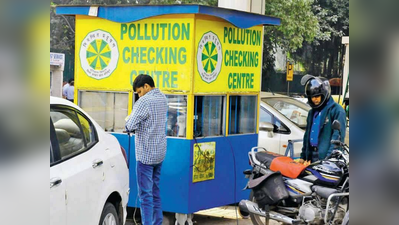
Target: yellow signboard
(290,72)
(111,55)
(227,59)
(204,161)
(181,55)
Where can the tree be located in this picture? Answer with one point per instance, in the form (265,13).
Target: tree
(298,25)
(324,55)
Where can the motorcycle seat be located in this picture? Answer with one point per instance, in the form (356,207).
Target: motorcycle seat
(266,158)
(279,163)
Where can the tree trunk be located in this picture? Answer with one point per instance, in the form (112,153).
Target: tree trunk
(336,45)
(312,61)
(325,61)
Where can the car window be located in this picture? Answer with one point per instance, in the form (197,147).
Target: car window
(54,148)
(266,116)
(74,132)
(51,154)
(87,129)
(292,109)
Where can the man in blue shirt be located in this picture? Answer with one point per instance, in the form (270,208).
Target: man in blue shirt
(148,121)
(319,133)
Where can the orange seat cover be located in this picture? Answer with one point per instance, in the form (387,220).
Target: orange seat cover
(287,167)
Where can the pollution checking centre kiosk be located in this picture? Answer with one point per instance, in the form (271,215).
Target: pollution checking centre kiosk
(208,63)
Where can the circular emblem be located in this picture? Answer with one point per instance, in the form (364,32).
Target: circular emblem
(209,57)
(99,54)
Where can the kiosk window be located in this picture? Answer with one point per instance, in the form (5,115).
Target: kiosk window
(109,109)
(208,116)
(177,116)
(242,117)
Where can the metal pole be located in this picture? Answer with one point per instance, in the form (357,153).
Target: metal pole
(288,89)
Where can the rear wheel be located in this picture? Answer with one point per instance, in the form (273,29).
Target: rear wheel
(346,219)
(109,216)
(256,220)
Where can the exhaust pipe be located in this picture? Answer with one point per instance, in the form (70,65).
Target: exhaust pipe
(251,207)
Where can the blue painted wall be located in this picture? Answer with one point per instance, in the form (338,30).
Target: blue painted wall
(178,193)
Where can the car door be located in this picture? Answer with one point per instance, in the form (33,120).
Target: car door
(272,141)
(289,132)
(268,140)
(81,163)
(57,185)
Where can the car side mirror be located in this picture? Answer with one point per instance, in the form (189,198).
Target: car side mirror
(336,125)
(266,126)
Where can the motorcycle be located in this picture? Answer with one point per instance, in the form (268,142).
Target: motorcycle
(291,193)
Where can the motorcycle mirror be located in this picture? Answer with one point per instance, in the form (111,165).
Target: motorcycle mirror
(336,125)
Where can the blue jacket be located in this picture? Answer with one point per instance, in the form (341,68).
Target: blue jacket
(332,111)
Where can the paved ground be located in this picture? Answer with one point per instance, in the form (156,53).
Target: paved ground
(217,216)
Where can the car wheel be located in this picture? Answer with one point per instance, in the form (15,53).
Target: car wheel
(109,216)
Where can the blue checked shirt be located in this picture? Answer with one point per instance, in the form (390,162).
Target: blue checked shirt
(148,120)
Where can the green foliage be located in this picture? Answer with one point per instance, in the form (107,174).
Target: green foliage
(200,2)
(324,56)
(311,31)
(298,23)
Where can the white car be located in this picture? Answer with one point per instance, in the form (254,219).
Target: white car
(282,118)
(89,175)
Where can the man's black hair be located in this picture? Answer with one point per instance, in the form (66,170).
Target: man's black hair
(70,80)
(141,80)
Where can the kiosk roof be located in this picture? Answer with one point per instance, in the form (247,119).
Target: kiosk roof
(129,13)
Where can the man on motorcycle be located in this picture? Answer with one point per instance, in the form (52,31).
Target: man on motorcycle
(319,133)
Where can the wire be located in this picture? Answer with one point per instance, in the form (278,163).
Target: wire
(134,213)
(234,165)
(135,209)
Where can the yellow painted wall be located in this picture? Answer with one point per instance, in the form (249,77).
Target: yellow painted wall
(185,54)
(159,46)
(228,59)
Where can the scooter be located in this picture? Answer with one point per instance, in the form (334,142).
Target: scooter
(288,192)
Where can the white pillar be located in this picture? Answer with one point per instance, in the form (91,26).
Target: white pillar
(345,41)
(56,81)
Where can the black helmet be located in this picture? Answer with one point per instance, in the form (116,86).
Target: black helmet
(315,86)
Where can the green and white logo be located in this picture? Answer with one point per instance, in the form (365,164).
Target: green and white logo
(209,57)
(99,54)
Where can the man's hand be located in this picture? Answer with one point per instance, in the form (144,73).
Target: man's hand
(301,161)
